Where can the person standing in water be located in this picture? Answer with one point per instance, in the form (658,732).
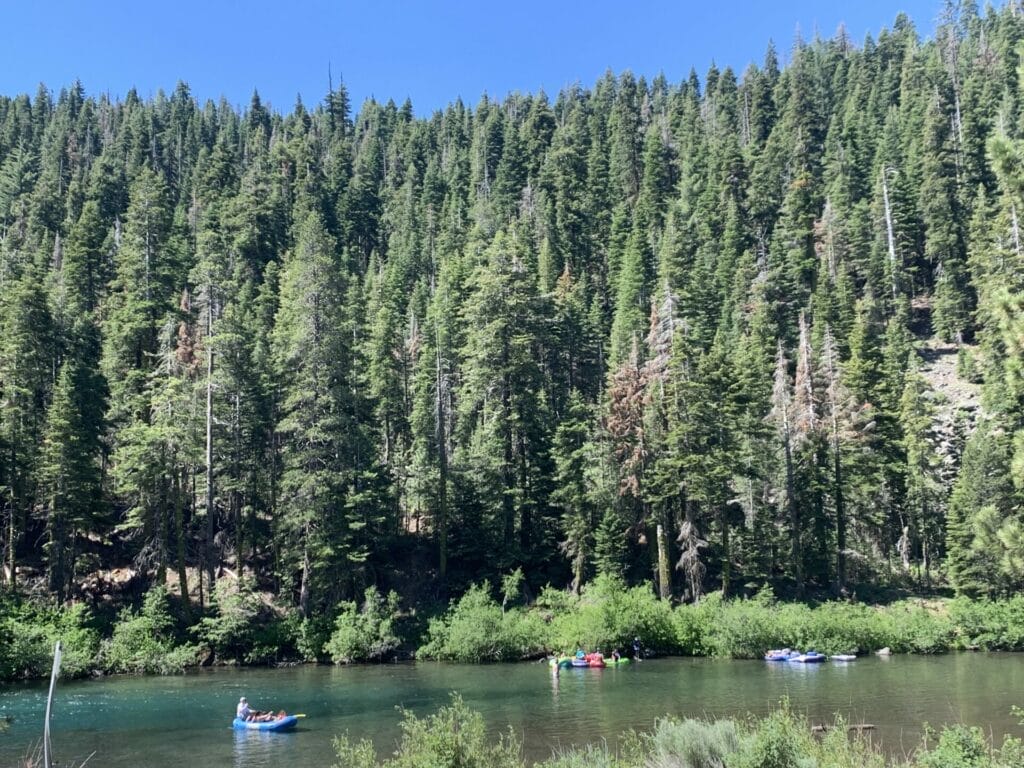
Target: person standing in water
(636,648)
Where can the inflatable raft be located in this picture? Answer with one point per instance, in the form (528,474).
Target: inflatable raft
(811,657)
(780,655)
(281,724)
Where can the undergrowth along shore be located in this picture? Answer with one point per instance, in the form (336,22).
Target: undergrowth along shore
(479,628)
(455,737)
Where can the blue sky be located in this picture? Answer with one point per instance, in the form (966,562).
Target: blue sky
(431,52)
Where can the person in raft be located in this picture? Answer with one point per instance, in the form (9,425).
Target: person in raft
(244,712)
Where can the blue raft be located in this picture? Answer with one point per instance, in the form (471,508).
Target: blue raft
(811,657)
(780,655)
(281,724)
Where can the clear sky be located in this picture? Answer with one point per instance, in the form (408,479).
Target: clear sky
(431,52)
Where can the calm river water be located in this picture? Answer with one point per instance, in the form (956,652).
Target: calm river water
(171,722)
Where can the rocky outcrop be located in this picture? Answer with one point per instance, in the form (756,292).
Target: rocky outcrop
(956,400)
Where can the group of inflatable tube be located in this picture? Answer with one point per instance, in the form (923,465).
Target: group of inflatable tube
(810,657)
(591,660)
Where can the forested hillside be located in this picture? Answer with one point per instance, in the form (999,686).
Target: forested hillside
(674,331)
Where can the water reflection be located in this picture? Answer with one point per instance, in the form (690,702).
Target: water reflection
(263,749)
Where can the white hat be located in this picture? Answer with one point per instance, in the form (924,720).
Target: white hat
(241,700)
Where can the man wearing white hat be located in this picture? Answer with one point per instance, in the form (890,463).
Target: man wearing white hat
(244,712)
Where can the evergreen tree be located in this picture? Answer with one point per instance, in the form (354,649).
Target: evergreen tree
(573,454)
(158,449)
(944,247)
(70,458)
(141,295)
(982,485)
(321,521)
(920,539)
(25,382)
(503,411)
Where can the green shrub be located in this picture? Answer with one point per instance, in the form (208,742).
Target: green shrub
(365,634)
(589,756)
(25,649)
(311,635)
(28,633)
(843,628)
(609,615)
(744,629)
(958,747)
(692,743)
(781,740)
(454,737)
(475,629)
(358,755)
(245,629)
(79,641)
(230,632)
(555,601)
(916,629)
(691,623)
(992,625)
(967,367)
(144,642)
(837,749)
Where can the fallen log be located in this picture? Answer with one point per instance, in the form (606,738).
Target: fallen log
(853,728)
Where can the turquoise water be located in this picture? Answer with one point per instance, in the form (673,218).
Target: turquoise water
(159,722)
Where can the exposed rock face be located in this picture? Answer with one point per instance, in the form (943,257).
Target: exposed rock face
(957,402)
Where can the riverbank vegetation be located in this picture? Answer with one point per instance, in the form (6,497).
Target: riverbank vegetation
(455,737)
(733,330)
(478,628)
(609,616)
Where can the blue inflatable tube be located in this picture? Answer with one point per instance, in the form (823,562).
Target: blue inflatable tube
(811,657)
(780,655)
(282,724)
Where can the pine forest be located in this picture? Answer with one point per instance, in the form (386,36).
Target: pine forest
(751,328)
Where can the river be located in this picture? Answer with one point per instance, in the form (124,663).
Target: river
(159,722)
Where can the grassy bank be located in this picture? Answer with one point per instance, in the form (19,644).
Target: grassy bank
(243,628)
(455,737)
